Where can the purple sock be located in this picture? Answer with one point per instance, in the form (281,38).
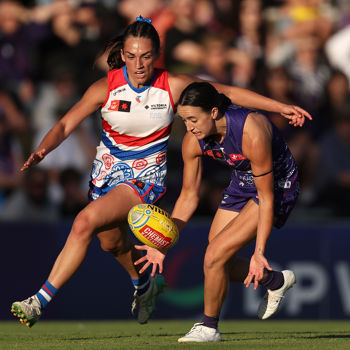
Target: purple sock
(274,280)
(209,321)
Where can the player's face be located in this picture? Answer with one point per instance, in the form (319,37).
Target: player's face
(200,123)
(139,59)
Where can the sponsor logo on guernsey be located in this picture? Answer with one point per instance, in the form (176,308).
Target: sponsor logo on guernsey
(236,157)
(216,154)
(118,91)
(155,237)
(138,98)
(120,106)
(159,106)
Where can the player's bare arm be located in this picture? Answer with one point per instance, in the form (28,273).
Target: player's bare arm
(250,99)
(185,205)
(243,97)
(93,98)
(188,200)
(256,146)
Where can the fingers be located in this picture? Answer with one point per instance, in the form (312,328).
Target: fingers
(248,279)
(154,269)
(140,247)
(145,267)
(303,112)
(256,283)
(267,265)
(33,159)
(141,260)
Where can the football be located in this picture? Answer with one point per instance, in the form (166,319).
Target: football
(153,226)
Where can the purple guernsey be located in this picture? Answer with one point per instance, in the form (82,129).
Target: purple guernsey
(242,186)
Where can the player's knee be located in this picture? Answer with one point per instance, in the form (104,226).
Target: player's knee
(82,227)
(211,259)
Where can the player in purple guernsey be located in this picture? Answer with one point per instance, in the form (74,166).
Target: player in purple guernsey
(262,192)
(242,186)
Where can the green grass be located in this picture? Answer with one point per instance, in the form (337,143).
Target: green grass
(257,335)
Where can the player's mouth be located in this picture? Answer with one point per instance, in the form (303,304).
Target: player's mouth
(140,75)
(196,133)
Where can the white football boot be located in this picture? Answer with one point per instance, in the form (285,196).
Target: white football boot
(28,311)
(146,303)
(200,334)
(272,299)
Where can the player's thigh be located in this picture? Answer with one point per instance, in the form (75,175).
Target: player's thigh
(110,210)
(221,219)
(235,234)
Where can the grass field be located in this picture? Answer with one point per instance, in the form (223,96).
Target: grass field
(259,335)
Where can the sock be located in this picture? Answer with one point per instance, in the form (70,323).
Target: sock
(274,280)
(209,321)
(46,293)
(141,284)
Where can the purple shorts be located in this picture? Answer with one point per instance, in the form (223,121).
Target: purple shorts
(148,192)
(234,198)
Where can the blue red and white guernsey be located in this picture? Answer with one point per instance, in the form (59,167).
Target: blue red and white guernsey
(242,187)
(136,127)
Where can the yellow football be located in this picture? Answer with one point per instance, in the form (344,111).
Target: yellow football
(153,226)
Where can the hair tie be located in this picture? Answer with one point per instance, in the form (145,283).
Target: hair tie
(141,19)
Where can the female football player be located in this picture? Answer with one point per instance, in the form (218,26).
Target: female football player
(137,107)
(262,192)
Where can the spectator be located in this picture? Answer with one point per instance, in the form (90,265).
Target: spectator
(12,124)
(182,52)
(30,202)
(22,29)
(215,64)
(74,197)
(338,50)
(333,176)
(338,95)
(310,73)
(294,20)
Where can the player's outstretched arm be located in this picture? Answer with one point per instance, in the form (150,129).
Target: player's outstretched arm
(89,103)
(243,97)
(250,99)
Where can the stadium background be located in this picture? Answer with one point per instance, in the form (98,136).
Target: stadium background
(296,52)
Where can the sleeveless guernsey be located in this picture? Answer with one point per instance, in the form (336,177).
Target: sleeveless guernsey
(136,125)
(242,186)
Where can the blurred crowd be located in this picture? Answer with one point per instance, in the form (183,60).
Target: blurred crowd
(295,51)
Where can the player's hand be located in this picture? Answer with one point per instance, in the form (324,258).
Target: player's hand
(256,269)
(34,159)
(153,256)
(295,114)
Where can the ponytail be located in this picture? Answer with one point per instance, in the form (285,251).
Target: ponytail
(113,47)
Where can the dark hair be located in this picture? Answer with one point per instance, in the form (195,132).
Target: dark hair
(136,29)
(204,95)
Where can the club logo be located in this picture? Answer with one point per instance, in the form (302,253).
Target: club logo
(120,106)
